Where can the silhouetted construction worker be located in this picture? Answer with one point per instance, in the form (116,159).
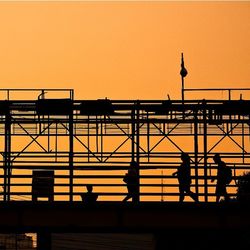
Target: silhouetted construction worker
(132,181)
(223,178)
(184,178)
(89,197)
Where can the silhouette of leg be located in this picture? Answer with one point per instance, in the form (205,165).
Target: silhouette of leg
(220,191)
(182,193)
(193,196)
(226,196)
(217,198)
(190,193)
(127,197)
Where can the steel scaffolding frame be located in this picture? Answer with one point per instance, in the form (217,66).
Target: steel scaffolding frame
(93,141)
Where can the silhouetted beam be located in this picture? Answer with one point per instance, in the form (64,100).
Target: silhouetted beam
(120,217)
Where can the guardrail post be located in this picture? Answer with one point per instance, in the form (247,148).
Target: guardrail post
(7,160)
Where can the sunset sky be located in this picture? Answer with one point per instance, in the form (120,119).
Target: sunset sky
(124,50)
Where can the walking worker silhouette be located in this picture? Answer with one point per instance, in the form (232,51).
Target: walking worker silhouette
(132,181)
(89,197)
(224,177)
(184,178)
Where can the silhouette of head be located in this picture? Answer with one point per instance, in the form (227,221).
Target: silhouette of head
(185,157)
(133,164)
(217,158)
(89,188)
(133,168)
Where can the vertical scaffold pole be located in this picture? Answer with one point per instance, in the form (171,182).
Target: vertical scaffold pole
(43,240)
(7,160)
(196,150)
(205,150)
(138,147)
(133,134)
(148,137)
(71,156)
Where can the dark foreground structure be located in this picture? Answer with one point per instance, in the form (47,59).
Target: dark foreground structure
(173,225)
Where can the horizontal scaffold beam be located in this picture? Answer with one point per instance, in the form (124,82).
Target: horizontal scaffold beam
(121,217)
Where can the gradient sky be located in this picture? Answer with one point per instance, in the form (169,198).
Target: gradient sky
(124,50)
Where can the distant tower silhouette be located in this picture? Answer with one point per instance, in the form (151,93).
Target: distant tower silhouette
(183,73)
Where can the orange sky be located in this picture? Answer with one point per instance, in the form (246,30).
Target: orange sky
(124,50)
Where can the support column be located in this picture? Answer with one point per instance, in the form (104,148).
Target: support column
(138,147)
(196,151)
(205,150)
(43,240)
(133,135)
(7,158)
(71,157)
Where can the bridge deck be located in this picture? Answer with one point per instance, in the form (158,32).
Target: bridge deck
(121,217)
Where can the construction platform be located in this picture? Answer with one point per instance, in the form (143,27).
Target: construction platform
(53,145)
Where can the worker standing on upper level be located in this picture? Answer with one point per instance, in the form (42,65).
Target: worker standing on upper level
(184,178)
(224,177)
(132,181)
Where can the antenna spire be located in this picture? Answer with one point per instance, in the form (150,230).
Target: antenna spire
(183,73)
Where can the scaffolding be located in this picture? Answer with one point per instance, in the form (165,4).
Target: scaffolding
(79,142)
